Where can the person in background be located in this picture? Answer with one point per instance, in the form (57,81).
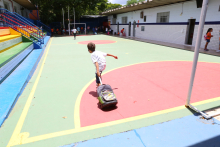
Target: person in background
(122,31)
(52,30)
(81,30)
(57,30)
(106,30)
(208,38)
(74,32)
(96,30)
(88,28)
(93,29)
(78,29)
(64,32)
(110,30)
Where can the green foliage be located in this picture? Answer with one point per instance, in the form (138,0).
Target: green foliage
(113,6)
(129,2)
(51,10)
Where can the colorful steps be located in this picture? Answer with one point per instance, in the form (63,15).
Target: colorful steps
(12,52)
(6,44)
(14,48)
(8,37)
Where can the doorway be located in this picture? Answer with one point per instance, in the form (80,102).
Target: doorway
(134,27)
(117,28)
(129,29)
(190,31)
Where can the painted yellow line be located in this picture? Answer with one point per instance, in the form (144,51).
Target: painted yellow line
(112,123)
(22,138)
(77,105)
(63,44)
(15,136)
(78,100)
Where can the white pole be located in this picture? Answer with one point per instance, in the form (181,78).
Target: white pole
(69,18)
(197,47)
(74,16)
(63,19)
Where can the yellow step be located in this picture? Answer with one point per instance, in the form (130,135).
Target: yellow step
(8,37)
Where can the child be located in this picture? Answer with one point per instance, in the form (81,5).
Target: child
(209,36)
(98,58)
(74,32)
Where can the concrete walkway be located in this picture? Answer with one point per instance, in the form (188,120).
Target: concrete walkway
(179,46)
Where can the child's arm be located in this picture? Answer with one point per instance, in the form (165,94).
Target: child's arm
(112,56)
(97,69)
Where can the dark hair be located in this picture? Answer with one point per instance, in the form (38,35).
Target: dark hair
(91,46)
(209,30)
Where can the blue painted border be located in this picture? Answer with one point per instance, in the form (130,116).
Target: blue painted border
(13,86)
(175,23)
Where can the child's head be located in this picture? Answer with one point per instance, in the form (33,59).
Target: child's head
(91,47)
(210,30)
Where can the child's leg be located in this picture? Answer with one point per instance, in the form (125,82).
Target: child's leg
(206,45)
(98,83)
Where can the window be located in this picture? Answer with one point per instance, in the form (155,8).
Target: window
(6,6)
(15,9)
(142,28)
(145,18)
(113,20)
(219,8)
(124,20)
(142,14)
(163,17)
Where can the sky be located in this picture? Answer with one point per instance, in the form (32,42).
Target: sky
(122,2)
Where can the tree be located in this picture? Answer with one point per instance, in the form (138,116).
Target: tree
(112,6)
(51,10)
(129,2)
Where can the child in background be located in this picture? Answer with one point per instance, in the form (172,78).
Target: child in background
(208,37)
(98,59)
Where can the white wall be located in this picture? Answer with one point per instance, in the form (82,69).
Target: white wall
(18,7)
(173,33)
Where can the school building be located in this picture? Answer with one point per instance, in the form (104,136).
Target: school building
(173,21)
(22,7)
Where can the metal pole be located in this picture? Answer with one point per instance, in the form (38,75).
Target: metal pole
(69,18)
(63,19)
(74,16)
(197,47)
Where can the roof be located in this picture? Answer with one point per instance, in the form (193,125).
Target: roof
(26,4)
(92,16)
(141,5)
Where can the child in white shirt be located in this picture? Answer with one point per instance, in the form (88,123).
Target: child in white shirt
(98,58)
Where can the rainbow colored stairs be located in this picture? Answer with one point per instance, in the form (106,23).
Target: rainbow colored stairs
(14,48)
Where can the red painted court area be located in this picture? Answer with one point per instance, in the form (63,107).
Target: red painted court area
(97,42)
(150,87)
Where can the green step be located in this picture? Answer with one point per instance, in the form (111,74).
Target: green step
(9,54)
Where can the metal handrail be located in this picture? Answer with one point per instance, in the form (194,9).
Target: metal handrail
(19,25)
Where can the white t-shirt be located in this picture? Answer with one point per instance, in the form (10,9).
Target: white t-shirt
(99,57)
(74,30)
(106,29)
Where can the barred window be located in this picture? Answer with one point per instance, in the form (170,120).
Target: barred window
(124,20)
(113,20)
(163,17)
(142,28)
(145,18)
(142,14)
